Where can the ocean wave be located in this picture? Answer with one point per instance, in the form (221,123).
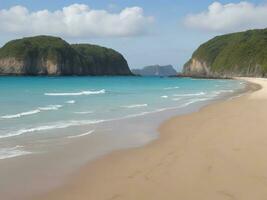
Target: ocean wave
(164,96)
(168,108)
(32,112)
(193,101)
(171,88)
(70,102)
(66,124)
(149,112)
(50,107)
(81,135)
(135,106)
(12,152)
(190,94)
(89,92)
(84,112)
(57,125)
(176,99)
(223,91)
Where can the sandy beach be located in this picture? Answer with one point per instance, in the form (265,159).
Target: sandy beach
(215,153)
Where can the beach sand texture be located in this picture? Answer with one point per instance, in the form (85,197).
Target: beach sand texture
(216,153)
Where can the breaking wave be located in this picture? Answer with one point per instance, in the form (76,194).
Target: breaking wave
(12,152)
(58,125)
(135,106)
(81,135)
(89,92)
(32,112)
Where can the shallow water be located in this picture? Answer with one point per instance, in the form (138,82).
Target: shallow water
(38,110)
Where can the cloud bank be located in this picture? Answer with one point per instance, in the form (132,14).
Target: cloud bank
(229,17)
(76,20)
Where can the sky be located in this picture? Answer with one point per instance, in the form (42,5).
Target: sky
(146,32)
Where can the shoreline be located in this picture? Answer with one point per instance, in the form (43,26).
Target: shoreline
(60,158)
(93,180)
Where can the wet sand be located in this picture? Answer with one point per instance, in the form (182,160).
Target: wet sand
(217,153)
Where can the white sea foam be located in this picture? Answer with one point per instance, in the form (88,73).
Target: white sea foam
(32,112)
(50,107)
(193,101)
(81,135)
(70,102)
(135,106)
(169,108)
(164,96)
(189,95)
(171,88)
(89,92)
(84,112)
(57,125)
(223,91)
(163,109)
(176,99)
(12,152)
(66,124)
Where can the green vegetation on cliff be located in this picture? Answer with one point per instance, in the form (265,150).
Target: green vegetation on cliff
(102,59)
(42,46)
(48,55)
(243,53)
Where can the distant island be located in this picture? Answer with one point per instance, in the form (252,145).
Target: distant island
(155,70)
(236,54)
(47,55)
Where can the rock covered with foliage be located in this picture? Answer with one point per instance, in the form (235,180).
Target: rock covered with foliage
(47,55)
(236,54)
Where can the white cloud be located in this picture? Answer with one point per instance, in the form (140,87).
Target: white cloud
(76,20)
(229,17)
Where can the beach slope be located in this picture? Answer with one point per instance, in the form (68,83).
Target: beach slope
(216,153)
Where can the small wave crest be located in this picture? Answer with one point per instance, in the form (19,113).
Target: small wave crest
(32,112)
(89,92)
(135,106)
(189,95)
(176,99)
(50,107)
(71,102)
(171,88)
(193,101)
(81,135)
(84,112)
(223,91)
(164,96)
(12,152)
(57,125)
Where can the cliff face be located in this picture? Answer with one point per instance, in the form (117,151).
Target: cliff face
(46,55)
(156,70)
(197,67)
(237,54)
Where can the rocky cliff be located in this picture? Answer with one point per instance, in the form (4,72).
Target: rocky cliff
(47,55)
(237,54)
(156,70)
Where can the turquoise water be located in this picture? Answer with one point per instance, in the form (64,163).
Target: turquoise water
(43,107)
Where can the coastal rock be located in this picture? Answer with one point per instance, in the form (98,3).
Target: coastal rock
(236,54)
(47,55)
(197,67)
(102,61)
(156,70)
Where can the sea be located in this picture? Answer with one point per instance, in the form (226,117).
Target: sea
(39,113)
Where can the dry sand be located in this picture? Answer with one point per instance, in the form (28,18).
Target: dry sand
(218,153)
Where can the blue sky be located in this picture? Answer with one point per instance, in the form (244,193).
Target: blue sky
(167,39)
